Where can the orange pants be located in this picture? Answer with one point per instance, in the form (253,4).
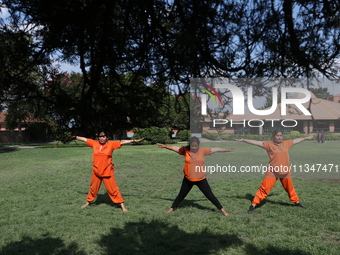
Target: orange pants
(110,185)
(269,182)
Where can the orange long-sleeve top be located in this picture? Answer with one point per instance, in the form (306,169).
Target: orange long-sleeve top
(102,156)
(194,163)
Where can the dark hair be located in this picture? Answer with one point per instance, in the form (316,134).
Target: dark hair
(194,139)
(275,132)
(102,131)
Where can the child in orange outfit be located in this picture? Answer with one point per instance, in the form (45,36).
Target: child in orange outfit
(103,168)
(279,167)
(194,159)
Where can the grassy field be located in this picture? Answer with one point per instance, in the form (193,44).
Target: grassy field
(42,190)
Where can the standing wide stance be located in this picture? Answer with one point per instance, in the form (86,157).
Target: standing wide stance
(194,159)
(279,167)
(103,168)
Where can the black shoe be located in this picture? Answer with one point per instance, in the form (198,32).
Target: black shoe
(299,205)
(251,209)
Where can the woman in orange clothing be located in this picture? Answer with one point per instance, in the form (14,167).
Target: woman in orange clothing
(194,172)
(103,168)
(278,167)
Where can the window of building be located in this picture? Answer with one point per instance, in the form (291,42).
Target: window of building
(337,126)
(320,125)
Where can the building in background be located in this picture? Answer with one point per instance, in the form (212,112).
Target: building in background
(31,131)
(325,116)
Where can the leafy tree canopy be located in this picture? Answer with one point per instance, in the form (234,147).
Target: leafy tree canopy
(321,92)
(132,52)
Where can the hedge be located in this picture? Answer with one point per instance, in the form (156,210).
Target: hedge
(286,136)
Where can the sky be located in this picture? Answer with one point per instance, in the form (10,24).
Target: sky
(4,12)
(333,87)
(64,66)
(69,68)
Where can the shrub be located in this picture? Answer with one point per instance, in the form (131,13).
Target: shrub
(211,136)
(264,137)
(152,134)
(184,135)
(331,136)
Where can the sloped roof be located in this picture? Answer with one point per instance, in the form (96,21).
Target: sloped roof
(321,109)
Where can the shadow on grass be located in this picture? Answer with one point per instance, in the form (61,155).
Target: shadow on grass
(41,246)
(191,203)
(104,198)
(250,197)
(8,149)
(157,237)
(271,249)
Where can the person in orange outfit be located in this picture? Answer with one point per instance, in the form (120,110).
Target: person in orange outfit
(103,168)
(194,157)
(278,167)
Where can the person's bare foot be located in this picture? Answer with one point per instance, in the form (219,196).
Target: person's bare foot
(170,210)
(85,205)
(123,207)
(224,212)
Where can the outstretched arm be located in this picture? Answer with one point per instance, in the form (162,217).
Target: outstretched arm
(299,140)
(80,138)
(252,142)
(218,149)
(130,141)
(172,148)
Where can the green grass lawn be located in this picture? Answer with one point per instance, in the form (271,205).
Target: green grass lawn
(42,190)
